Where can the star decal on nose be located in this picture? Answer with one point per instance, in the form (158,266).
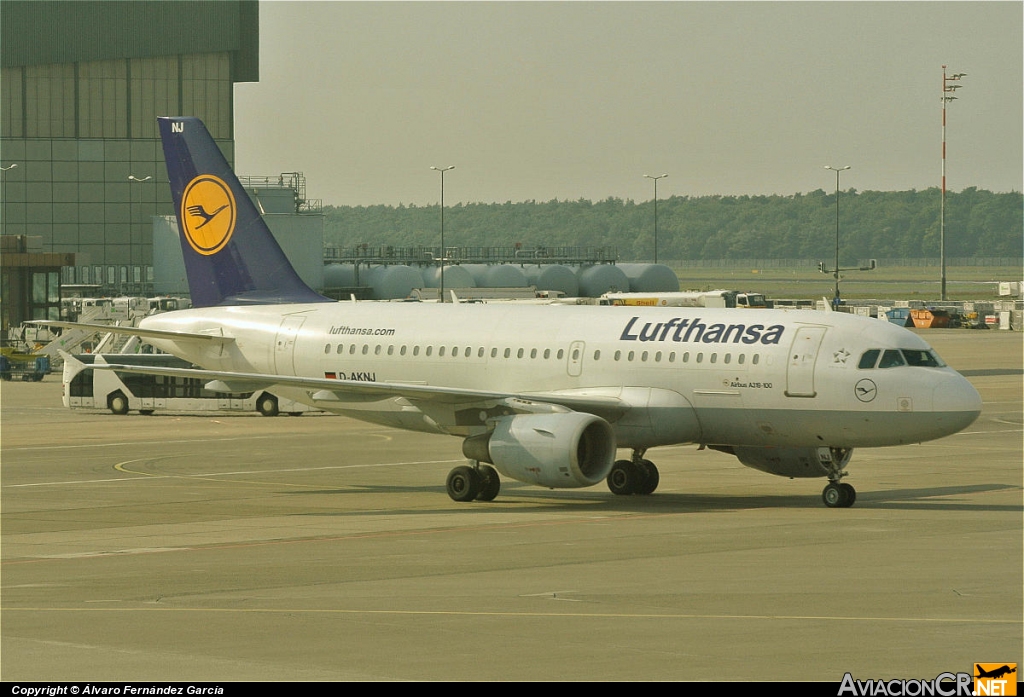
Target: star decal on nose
(840,356)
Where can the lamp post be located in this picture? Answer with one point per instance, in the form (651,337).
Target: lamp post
(131,221)
(660,176)
(947,96)
(3,193)
(442,170)
(837,170)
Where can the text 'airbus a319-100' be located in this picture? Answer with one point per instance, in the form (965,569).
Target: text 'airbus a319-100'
(544,394)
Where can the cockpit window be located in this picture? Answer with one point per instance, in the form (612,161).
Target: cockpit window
(926,359)
(892,358)
(869,359)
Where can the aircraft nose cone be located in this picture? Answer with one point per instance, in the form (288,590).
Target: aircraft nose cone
(955,400)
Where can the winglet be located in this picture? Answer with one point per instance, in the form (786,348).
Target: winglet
(231,258)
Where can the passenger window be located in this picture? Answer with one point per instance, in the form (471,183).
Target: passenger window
(440,352)
(643,356)
(430,350)
(728,358)
(366,349)
(741,358)
(891,359)
(340,347)
(657,357)
(327,348)
(869,359)
(402,351)
(618,355)
(547,354)
(672,357)
(597,354)
(700,357)
(455,351)
(519,353)
(416,350)
(352,349)
(560,353)
(391,350)
(714,357)
(494,352)
(480,352)
(756,359)
(508,352)
(376,350)
(533,353)
(686,357)
(576,354)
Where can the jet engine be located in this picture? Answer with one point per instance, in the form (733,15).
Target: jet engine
(793,462)
(563,451)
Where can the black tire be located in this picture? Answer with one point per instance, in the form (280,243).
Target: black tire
(146,412)
(463,484)
(118,403)
(267,404)
(490,483)
(623,479)
(650,478)
(834,496)
(851,494)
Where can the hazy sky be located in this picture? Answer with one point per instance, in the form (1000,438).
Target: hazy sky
(537,100)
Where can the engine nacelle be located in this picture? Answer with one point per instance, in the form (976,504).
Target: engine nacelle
(794,462)
(559,451)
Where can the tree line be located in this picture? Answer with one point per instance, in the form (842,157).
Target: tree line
(877,224)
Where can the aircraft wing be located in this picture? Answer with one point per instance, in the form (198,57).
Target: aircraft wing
(136,331)
(607,406)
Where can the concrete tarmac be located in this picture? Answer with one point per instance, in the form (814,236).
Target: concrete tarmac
(226,547)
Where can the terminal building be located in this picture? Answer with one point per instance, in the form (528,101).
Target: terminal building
(82,165)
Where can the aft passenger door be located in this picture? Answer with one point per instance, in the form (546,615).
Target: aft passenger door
(802,356)
(284,346)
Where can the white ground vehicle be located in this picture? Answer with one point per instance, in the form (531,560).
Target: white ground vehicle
(124,392)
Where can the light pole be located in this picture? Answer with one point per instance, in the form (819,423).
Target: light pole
(442,170)
(947,96)
(660,176)
(131,221)
(3,193)
(837,170)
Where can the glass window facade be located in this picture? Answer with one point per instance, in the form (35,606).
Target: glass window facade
(77,131)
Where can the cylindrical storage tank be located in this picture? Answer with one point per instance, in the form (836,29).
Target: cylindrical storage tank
(392,282)
(650,278)
(597,280)
(454,277)
(496,275)
(340,276)
(553,277)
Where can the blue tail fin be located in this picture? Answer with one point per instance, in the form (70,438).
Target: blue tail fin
(230,256)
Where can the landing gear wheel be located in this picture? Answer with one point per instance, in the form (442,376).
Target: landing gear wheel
(836,495)
(851,494)
(119,404)
(463,484)
(624,478)
(649,478)
(267,404)
(490,484)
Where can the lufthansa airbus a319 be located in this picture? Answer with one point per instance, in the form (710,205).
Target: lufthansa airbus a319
(543,394)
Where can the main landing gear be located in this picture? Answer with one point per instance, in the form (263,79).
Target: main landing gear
(635,476)
(473,483)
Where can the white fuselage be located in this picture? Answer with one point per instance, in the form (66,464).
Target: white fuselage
(785,378)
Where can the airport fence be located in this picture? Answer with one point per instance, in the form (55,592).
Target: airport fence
(813,263)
